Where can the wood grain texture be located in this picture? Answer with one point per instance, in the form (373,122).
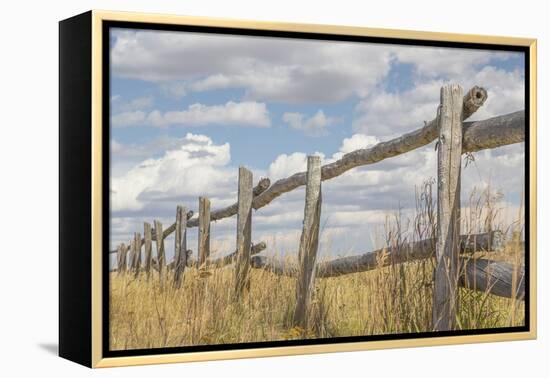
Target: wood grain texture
(419,250)
(449,160)
(121,258)
(494,132)
(482,275)
(137,254)
(226,212)
(204,230)
(495,277)
(232,257)
(309,243)
(148,247)
(479,135)
(161,257)
(180,245)
(486,242)
(244,232)
(132,258)
(405,143)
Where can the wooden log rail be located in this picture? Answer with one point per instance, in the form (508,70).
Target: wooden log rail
(491,276)
(478,135)
(227,212)
(219,262)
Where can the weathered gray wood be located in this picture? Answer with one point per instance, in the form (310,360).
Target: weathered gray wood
(419,250)
(121,258)
(407,142)
(161,258)
(227,212)
(495,277)
(494,132)
(309,242)
(487,276)
(172,264)
(180,248)
(479,135)
(167,232)
(132,257)
(244,232)
(445,293)
(487,242)
(204,229)
(148,246)
(137,253)
(232,257)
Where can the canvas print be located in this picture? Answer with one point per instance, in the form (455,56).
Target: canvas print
(269,188)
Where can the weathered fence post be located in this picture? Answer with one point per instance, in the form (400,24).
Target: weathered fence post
(244,232)
(445,295)
(121,258)
(131,257)
(180,247)
(147,233)
(204,229)
(161,259)
(309,241)
(137,254)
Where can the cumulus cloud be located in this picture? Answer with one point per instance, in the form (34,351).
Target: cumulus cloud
(315,125)
(286,165)
(195,168)
(387,114)
(248,113)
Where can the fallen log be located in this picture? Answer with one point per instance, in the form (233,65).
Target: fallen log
(494,277)
(419,250)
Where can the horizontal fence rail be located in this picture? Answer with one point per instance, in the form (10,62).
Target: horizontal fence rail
(455,261)
(478,135)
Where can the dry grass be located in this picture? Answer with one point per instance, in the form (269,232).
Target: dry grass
(394,299)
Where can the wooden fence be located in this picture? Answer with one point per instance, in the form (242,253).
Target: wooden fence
(452,269)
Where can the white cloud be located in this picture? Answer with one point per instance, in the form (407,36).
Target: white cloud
(285,165)
(232,113)
(248,113)
(197,167)
(387,114)
(358,141)
(445,62)
(131,118)
(277,69)
(315,125)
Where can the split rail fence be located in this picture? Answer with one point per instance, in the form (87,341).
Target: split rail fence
(454,136)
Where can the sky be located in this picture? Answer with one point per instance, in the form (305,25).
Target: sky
(187,109)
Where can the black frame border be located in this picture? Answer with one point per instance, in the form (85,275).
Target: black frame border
(107,25)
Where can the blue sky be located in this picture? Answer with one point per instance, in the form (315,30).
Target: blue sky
(188,109)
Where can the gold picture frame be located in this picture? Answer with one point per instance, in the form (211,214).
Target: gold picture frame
(91,268)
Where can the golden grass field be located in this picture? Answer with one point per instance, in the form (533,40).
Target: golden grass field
(391,300)
(395,299)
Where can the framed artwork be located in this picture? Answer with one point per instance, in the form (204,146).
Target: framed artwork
(235,189)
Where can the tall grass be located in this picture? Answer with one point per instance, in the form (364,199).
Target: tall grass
(389,300)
